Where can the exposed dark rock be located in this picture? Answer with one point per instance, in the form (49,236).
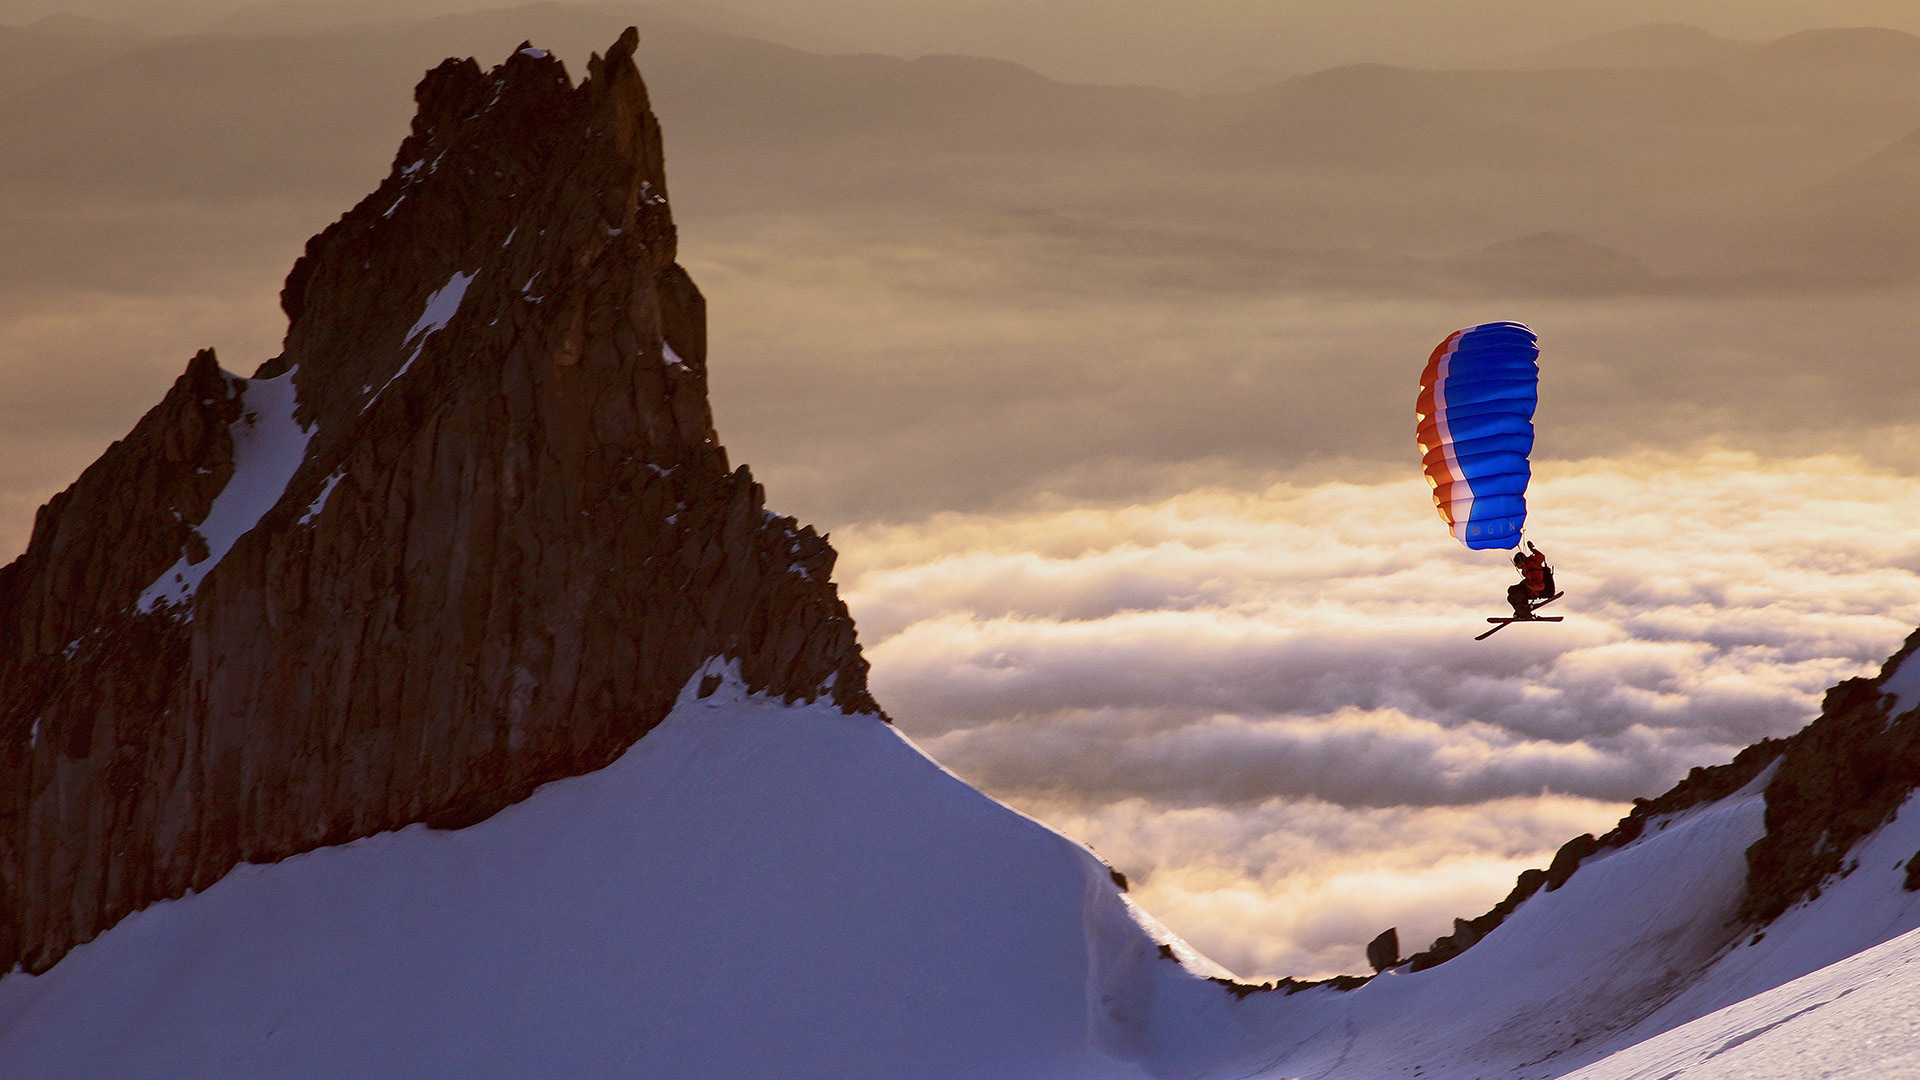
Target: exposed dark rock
(1290,985)
(1383,952)
(512,539)
(1840,778)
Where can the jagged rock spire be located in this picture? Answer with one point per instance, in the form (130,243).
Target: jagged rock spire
(471,531)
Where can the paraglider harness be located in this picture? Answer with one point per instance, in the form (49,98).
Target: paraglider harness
(1536,586)
(1534,591)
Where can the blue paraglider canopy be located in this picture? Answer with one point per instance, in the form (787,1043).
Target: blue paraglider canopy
(1475,425)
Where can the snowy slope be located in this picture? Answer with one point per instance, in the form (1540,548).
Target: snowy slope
(1853,916)
(753,890)
(1635,944)
(1858,1019)
(1565,968)
(761,890)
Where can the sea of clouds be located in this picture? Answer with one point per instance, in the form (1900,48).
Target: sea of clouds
(1267,707)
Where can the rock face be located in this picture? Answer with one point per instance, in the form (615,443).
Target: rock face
(1383,952)
(1833,783)
(1839,779)
(470,532)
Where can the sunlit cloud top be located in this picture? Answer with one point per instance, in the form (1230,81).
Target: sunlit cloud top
(1231,658)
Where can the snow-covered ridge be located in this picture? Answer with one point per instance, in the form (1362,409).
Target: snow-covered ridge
(752,890)
(765,890)
(1772,1004)
(268,448)
(1640,940)
(1566,967)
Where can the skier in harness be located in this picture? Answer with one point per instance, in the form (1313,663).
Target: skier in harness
(1535,584)
(1473,423)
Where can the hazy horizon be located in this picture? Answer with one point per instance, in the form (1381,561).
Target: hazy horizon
(1105,392)
(1203,45)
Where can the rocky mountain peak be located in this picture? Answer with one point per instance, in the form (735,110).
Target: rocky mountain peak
(471,531)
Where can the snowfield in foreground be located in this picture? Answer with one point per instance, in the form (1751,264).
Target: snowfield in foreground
(758,890)
(1857,1019)
(750,891)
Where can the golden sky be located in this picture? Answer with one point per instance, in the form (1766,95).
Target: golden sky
(1105,391)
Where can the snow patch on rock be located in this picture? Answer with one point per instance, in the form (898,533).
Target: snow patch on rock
(268,448)
(441,307)
(1902,684)
(320,503)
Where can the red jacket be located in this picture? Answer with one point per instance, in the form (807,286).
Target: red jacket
(1534,567)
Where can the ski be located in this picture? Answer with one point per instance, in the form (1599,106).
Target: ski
(1504,623)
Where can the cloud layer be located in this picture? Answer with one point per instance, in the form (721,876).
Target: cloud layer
(1225,658)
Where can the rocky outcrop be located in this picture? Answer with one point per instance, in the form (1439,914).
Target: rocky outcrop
(1383,951)
(471,531)
(1840,779)
(1834,783)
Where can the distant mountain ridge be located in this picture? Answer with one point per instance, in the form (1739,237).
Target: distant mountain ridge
(1658,152)
(1685,45)
(471,531)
